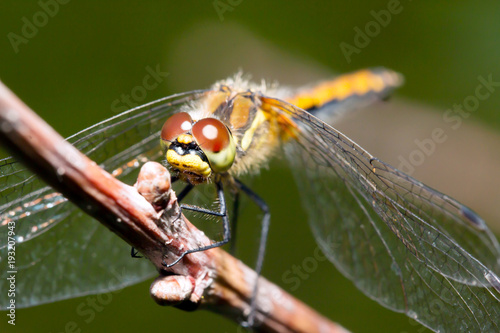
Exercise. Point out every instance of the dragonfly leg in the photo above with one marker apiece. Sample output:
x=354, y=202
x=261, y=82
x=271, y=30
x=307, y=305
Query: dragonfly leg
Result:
x=234, y=223
x=134, y=253
x=225, y=219
x=184, y=192
x=262, y=246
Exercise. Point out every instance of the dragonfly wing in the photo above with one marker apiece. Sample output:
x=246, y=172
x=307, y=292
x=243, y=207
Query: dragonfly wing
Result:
x=60, y=252
x=407, y=246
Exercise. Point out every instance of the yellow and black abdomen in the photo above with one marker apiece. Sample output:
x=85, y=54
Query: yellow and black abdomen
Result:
x=349, y=91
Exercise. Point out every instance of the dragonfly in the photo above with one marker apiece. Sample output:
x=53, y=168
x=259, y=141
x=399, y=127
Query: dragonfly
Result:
x=407, y=246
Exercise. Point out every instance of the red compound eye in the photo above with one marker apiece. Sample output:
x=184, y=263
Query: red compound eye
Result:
x=211, y=135
x=176, y=125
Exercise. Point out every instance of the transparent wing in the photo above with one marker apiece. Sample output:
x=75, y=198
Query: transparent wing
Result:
x=59, y=251
x=407, y=246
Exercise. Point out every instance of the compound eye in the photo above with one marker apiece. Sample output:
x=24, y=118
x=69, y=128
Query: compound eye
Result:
x=216, y=142
x=211, y=135
x=176, y=125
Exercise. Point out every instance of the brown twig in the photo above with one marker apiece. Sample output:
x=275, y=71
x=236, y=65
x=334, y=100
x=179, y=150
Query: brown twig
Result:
x=148, y=217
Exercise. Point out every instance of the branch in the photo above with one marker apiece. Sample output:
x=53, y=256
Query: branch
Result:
x=148, y=217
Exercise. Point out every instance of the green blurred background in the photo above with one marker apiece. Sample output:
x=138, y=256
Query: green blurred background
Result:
x=91, y=52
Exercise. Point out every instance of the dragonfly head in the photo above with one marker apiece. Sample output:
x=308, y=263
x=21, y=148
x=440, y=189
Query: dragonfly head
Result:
x=199, y=149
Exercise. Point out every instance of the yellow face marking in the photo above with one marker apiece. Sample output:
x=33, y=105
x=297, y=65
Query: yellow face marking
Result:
x=189, y=163
x=185, y=138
